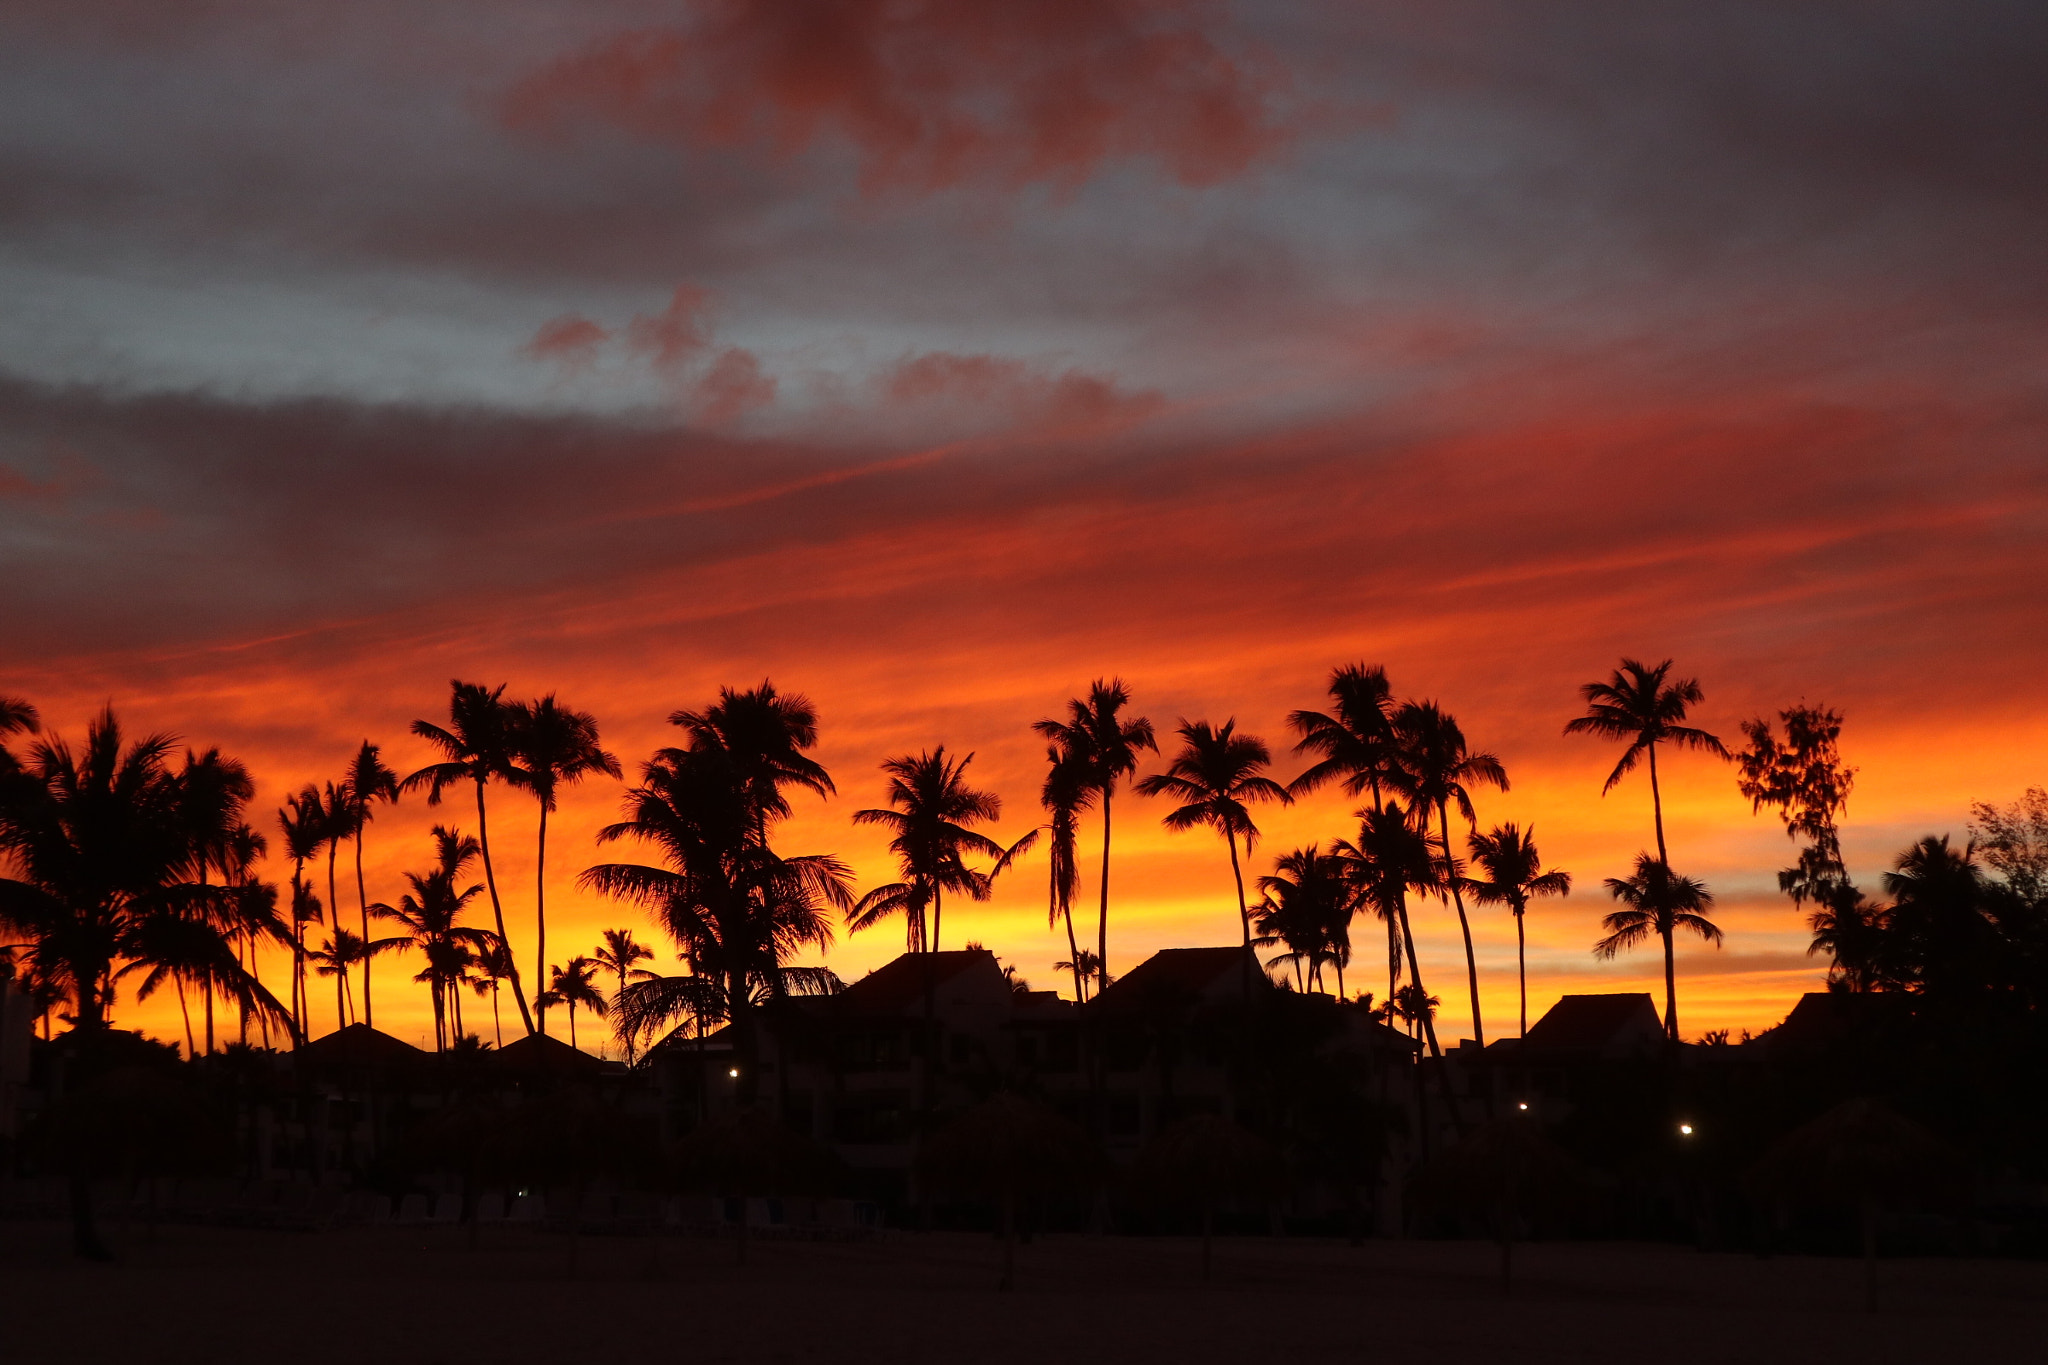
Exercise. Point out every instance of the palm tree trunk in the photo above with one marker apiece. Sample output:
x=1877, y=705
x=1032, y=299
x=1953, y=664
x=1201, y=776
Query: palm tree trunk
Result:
x=209, y=1017
x=540, y=918
x=497, y=1029
x=1670, y=990
x=363, y=900
x=572, y=1024
x=1443, y=815
x=1102, y=914
x=1244, y=915
x=938, y=905
x=340, y=1002
x=191, y=1049
x=1065, y=907
x=483, y=840
x=1522, y=969
x=1657, y=808
x=1415, y=976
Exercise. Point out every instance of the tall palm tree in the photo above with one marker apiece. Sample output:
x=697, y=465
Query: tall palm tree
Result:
x=1937, y=939
x=1657, y=901
x=932, y=807
x=476, y=746
x=1514, y=877
x=336, y=828
x=430, y=915
x=573, y=984
x=1637, y=704
x=1306, y=905
x=735, y=908
x=1098, y=736
x=1355, y=737
x=1390, y=858
x=620, y=955
x=494, y=965
x=1433, y=772
x=303, y=822
x=1215, y=774
x=367, y=782
x=1067, y=792
x=552, y=744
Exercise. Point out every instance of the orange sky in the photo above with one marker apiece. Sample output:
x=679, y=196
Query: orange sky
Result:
x=935, y=359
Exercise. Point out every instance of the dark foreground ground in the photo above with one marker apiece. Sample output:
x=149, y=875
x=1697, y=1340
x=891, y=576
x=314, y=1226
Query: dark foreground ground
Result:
x=373, y=1296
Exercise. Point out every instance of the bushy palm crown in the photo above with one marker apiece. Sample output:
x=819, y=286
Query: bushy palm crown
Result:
x=1936, y=933
x=764, y=733
x=552, y=745
x=1096, y=736
x=931, y=807
x=1355, y=738
x=1638, y=705
x=476, y=744
x=1305, y=906
x=1434, y=771
x=1513, y=867
x=1214, y=776
x=574, y=984
x=1655, y=901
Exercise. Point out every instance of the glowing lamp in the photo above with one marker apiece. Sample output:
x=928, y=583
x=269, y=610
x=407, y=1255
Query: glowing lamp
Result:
x=1685, y=1130
x=734, y=1073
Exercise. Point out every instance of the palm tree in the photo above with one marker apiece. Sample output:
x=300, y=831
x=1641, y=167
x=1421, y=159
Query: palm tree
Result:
x=1416, y=1008
x=572, y=985
x=933, y=806
x=367, y=782
x=1433, y=771
x=1067, y=792
x=1514, y=877
x=1936, y=939
x=1657, y=901
x=342, y=951
x=1306, y=906
x=494, y=964
x=1637, y=704
x=108, y=844
x=763, y=734
x=1215, y=773
x=429, y=915
x=552, y=744
x=736, y=909
x=621, y=956
x=477, y=748
x=1098, y=737
x=303, y=822
x=336, y=828
x=1356, y=738
x=1391, y=858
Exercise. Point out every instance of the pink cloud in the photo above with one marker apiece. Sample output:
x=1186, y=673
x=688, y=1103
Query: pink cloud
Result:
x=734, y=386
x=570, y=340
x=933, y=93
x=675, y=335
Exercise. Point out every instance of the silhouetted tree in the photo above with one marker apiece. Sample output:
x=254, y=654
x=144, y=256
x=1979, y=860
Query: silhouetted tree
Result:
x=932, y=807
x=1067, y=792
x=1655, y=900
x=1215, y=774
x=551, y=745
x=1389, y=859
x=1096, y=735
x=573, y=984
x=1306, y=905
x=1514, y=877
x=1637, y=705
x=1434, y=770
x=476, y=746
x=1355, y=738
x=430, y=915
x=367, y=782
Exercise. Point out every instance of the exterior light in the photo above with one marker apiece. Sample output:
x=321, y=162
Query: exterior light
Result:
x=1522, y=1105
x=734, y=1073
x=1685, y=1130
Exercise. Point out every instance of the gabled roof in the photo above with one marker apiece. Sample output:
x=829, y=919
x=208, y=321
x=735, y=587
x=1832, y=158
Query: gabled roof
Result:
x=360, y=1046
x=1823, y=1018
x=1186, y=974
x=540, y=1052
x=898, y=987
x=1607, y=1024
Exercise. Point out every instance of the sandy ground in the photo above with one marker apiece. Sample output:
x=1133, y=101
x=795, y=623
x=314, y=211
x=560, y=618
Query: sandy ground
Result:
x=372, y=1296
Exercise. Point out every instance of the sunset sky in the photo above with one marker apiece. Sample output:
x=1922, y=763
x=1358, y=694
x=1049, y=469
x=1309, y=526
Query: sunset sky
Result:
x=934, y=357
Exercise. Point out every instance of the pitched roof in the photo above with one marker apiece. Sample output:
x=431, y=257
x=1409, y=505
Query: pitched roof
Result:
x=1597, y=1023
x=540, y=1052
x=359, y=1045
x=898, y=986
x=1186, y=973
x=1824, y=1018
